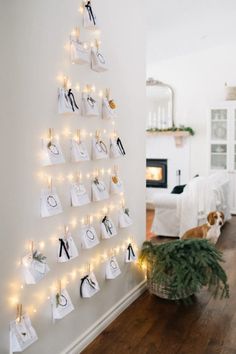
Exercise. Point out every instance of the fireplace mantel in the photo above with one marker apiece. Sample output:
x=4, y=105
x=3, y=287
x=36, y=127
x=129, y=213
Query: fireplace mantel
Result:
x=178, y=135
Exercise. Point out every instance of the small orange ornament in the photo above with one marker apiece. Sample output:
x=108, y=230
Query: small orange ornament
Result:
x=115, y=179
x=112, y=104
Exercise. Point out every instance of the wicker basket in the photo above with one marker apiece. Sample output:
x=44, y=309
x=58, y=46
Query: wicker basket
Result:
x=162, y=291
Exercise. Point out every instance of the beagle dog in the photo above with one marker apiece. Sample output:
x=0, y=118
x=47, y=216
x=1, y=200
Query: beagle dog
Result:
x=210, y=230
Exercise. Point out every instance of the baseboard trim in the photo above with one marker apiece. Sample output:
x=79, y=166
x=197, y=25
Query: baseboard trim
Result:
x=88, y=336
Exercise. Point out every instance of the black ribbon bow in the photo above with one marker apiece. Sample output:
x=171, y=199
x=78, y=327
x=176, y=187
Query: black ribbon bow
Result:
x=130, y=251
x=120, y=146
x=90, y=12
x=72, y=100
x=107, y=224
x=64, y=246
x=89, y=281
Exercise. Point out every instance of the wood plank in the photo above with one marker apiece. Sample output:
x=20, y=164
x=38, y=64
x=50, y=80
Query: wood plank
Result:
x=155, y=326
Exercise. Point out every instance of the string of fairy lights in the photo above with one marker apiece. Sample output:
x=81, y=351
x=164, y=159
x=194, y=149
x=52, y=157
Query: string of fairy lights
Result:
x=45, y=175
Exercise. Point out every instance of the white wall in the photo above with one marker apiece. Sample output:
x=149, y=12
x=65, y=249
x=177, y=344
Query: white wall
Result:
x=33, y=37
x=198, y=80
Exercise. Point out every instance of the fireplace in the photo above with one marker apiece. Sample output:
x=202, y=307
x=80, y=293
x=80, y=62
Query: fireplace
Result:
x=156, y=173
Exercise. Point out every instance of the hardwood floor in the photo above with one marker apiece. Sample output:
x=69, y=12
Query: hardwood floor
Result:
x=155, y=326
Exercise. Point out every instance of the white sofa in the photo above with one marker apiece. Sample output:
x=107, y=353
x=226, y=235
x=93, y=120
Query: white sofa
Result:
x=176, y=213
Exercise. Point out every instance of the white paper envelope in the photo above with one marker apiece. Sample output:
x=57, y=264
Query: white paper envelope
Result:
x=67, y=102
x=67, y=249
x=112, y=268
x=89, y=237
x=88, y=285
x=99, y=190
x=79, y=53
x=89, y=17
x=107, y=111
x=89, y=105
x=130, y=255
x=124, y=218
x=79, y=151
x=33, y=269
x=22, y=334
x=116, y=148
x=116, y=185
x=79, y=195
x=51, y=152
x=61, y=305
x=108, y=228
x=99, y=149
x=50, y=203
x=98, y=61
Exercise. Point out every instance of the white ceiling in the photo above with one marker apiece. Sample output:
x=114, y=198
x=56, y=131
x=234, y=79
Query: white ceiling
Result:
x=180, y=27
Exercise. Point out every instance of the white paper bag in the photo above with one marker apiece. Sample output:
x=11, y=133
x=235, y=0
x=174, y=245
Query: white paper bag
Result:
x=107, y=111
x=67, y=249
x=89, y=105
x=112, y=268
x=79, y=195
x=108, y=228
x=99, y=190
x=98, y=61
x=50, y=203
x=89, y=237
x=22, y=334
x=124, y=218
x=89, y=285
x=79, y=53
x=79, y=151
x=116, y=148
x=89, y=17
x=130, y=255
x=34, y=267
x=67, y=101
x=116, y=185
x=52, y=152
x=61, y=305
x=99, y=149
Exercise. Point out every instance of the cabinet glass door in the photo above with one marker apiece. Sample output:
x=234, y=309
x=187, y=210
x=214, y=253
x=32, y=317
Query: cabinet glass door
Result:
x=219, y=134
x=218, y=156
x=219, y=124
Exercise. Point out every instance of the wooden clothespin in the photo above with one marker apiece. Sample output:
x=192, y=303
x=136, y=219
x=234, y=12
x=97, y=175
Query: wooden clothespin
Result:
x=78, y=177
x=31, y=247
x=50, y=134
x=123, y=203
x=59, y=286
x=88, y=88
x=97, y=134
x=50, y=183
x=116, y=169
x=89, y=268
x=19, y=312
x=77, y=32
x=96, y=173
x=87, y=220
x=97, y=43
x=78, y=135
x=66, y=231
x=65, y=82
x=107, y=93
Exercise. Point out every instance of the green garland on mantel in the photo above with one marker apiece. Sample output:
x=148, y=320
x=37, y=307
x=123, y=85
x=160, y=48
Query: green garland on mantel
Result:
x=181, y=128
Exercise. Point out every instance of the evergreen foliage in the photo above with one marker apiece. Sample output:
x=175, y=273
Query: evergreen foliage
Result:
x=185, y=266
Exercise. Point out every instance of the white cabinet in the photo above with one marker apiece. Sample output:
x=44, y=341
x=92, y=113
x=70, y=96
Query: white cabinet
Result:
x=222, y=143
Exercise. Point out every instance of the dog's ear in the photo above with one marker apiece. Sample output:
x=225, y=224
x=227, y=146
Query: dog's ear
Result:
x=210, y=218
x=222, y=215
